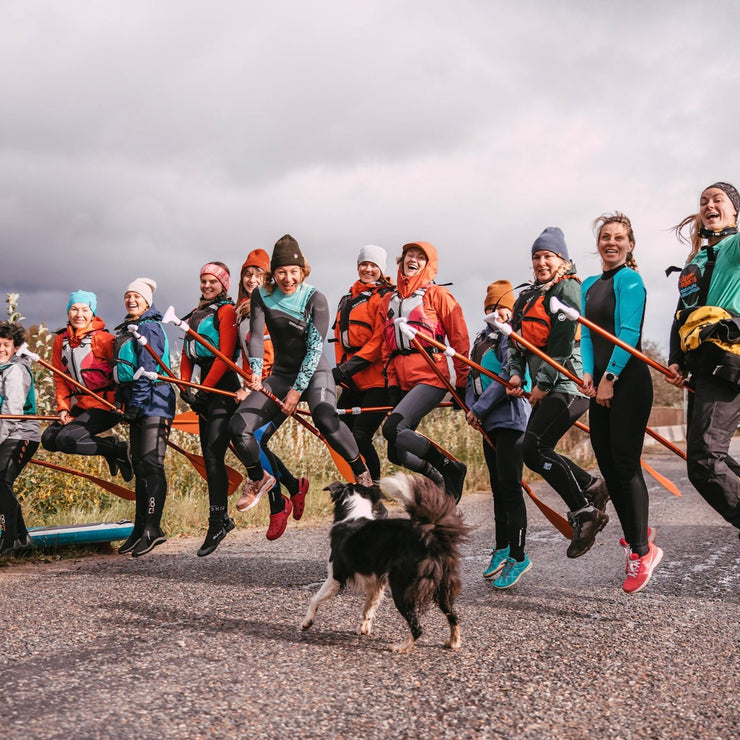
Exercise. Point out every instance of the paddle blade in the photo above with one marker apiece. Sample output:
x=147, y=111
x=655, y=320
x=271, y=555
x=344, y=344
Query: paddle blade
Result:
x=113, y=488
x=186, y=422
x=667, y=484
x=560, y=523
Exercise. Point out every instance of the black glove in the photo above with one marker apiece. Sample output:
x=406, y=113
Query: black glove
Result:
x=460, y=392
x=200, y=402
x=395, y=395
x=339, y=377
x=187, y=395
x=131, y=413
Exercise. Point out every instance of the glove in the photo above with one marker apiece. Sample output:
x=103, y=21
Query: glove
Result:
x=395, y=395
x=461, y=393
x=131, y=413
x=187, y=395
x=200, y=403
x=338, y=375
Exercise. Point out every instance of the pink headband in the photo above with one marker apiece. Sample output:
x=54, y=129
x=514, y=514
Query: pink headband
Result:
x=217, y=271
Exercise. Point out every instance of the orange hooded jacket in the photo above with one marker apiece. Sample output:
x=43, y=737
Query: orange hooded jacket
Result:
x=440, y=312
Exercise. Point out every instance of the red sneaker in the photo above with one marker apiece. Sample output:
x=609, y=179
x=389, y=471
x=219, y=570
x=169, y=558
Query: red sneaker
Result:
x=299, y=499
x=279, y=521
x=640, y=569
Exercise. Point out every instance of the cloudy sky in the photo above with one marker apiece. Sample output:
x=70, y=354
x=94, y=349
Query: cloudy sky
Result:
x=146, y=138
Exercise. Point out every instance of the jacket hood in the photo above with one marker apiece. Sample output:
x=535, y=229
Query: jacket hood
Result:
x=406, y=286
x=77, y=335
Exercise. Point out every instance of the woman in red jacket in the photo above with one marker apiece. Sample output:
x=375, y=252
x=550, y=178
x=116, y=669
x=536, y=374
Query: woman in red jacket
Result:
x=359, y=340
x=413, y=388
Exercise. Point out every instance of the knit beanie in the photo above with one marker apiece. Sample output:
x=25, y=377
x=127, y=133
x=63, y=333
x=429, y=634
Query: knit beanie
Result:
x=286, y=252
x=729, y=191
x=257, y=258
x=86, y=297
x=552, y=240
x=372, y=253
x=222, y=273
x=145, y=287
x=499, y=295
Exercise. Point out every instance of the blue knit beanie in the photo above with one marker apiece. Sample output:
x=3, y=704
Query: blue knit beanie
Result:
x=552, y=240
x=83, y=296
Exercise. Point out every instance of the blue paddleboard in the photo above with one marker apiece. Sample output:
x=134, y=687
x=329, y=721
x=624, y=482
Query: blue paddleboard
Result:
x=81, y=534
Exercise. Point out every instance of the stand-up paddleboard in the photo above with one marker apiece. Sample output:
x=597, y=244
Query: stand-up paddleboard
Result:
x=81, y=534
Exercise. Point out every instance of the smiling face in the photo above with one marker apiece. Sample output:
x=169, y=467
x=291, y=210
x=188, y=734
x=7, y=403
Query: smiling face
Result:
x=716, y=210
x=614, y=245
x=414, y=261
x=545, y=264
x=80, y=315
x=253, y=277
x=369, y=272
x=7, y=350
x=210, y=286
x=134, y=304
x=288, y=278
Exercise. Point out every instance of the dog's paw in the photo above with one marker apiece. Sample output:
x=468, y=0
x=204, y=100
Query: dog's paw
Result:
x=454, y=642
x=306, y=624
x=403, y=647
x=365, y=628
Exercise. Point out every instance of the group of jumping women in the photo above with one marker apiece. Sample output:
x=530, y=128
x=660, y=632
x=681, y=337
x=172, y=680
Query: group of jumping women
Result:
x=257, y=359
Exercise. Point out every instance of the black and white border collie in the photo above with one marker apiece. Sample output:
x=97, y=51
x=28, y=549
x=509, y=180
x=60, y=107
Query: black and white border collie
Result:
x=418, y=557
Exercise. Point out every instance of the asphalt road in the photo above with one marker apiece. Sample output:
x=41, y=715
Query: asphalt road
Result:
x=172, y=645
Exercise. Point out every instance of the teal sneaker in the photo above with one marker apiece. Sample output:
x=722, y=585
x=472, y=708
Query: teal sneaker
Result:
x=498, y=558
x=513, y=570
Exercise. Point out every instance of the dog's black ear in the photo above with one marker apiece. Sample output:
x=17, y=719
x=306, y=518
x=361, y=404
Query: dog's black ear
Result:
x=335, y=489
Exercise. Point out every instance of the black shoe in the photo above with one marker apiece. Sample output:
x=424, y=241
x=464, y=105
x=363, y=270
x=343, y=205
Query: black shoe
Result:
x=15, y=546
x=216, y=533
x=133, y=538
x=150, y=538
x=586, y=525
x=454, y=478
x=597, y=494
x=124, y=465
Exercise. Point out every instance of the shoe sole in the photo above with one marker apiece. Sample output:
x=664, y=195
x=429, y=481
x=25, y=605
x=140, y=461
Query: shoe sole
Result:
x=514, y=582
x=490, y=574
x=658, y=560
x=261, y=491
x=154, y=543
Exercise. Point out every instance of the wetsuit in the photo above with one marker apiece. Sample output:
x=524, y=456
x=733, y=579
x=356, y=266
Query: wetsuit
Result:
x=615, y=300
x=19, y=439
x=297, y=324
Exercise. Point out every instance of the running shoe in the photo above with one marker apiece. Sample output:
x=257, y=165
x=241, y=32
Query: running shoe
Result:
x=299, y=499
x=254, y=490
x=512, y=572
x=640, y=569
x=279, y=521
x=498, y=559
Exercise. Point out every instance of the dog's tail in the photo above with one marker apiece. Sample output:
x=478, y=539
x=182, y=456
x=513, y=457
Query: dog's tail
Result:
x=441, y=526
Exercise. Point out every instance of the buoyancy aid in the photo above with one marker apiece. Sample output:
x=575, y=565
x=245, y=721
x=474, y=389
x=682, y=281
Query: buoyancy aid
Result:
x=533, y=319
x=29, y=405
x=355, y=319
x=411, y=308
x=484, y=342
x=81, y=363
x=125, y=355
x=205, y=321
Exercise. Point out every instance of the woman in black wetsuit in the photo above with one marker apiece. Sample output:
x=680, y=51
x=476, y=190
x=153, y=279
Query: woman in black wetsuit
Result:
x=297, y=318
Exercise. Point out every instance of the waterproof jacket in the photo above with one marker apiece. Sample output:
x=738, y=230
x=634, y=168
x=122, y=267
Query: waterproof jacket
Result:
x=432, y=309
x=151, y=397
x=94, y=344
x=16, y=397
x=358, y=334
x=486, y=397
x=561, y=344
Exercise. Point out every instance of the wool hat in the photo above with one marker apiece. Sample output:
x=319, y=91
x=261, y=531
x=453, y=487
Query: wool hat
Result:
x=499, y=294
x=552, y=240
x=218, y=271
x=286, y=252
x=730, y=191
x=257, y=258
x=86, y=297
x=372, y=253
x=145, y=287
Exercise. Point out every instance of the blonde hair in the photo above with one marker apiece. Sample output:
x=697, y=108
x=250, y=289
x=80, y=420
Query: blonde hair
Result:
x=687, y=232
x=618, y=218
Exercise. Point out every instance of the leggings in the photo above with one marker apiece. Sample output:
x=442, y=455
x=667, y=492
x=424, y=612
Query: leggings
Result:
x=364, y=426
x=257, y=410
x=551, y=418
x=617, y=434
x=405, y=446
x=79, y=436
x=14, y=454
x=505, y=476
x=149, y=435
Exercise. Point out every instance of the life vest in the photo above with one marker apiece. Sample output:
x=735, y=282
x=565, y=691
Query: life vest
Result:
x=205, y=321
x=484, y=342
x=355, y=320
x=126, y=358
x=29, y=405
x=411, y=308
x=80, y=363
x=532, y=320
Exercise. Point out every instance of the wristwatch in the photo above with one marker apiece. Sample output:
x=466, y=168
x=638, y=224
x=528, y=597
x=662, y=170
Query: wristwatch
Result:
x=611, y=377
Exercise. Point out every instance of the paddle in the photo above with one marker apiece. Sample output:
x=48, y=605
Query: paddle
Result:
x=113, y=488
x=342, y=465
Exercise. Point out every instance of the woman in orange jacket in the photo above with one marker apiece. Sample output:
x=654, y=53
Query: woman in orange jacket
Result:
x=413, y=388
x=84, y=351
x=359, y=339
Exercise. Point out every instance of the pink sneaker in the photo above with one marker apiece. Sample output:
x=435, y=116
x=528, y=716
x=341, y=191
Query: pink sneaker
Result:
x=253, y=491
x=299, y=499
x=640, y=569
x=279, y=521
